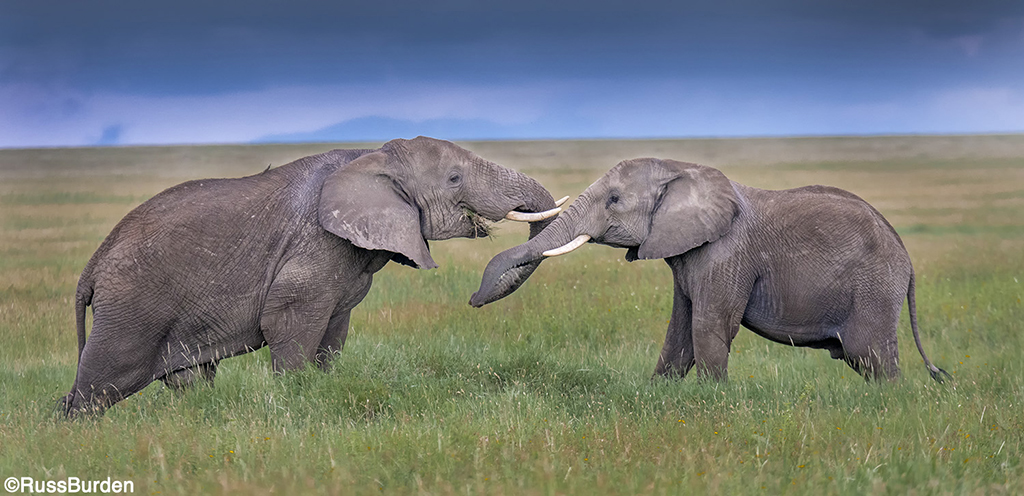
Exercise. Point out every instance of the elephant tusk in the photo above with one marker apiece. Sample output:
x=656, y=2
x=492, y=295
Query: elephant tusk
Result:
x=570, y=246
x=532, y=216
x=561, y=201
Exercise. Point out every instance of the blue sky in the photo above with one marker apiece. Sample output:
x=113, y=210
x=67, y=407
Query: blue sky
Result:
x=112, y=73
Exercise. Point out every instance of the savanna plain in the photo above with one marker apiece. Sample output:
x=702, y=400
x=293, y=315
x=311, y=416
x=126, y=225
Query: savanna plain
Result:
x=548, y=391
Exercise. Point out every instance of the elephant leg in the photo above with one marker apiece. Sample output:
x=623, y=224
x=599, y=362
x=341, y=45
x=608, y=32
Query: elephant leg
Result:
x=292, y=344
x=676, y=357
x=293, y=335
x=295, y=317
x=713, y=331
x=334, y=339
x=872, y=364
x=188, y=377
x=869, y=345
x=95, y=391
x=111, y=368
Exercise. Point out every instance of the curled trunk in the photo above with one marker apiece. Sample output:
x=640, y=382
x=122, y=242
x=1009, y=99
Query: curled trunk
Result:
x=534, y=198
x=508, y=270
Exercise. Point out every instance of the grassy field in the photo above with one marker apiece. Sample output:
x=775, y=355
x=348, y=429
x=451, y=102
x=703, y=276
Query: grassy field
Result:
x=548, y=391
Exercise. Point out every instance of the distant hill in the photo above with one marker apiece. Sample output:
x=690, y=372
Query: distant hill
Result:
x=384, y=128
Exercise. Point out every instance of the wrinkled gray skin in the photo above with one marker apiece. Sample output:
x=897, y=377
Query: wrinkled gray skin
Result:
x=214, y=268
x=813, y=266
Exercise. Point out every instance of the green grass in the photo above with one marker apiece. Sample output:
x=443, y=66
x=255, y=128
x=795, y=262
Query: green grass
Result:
x=548, y=391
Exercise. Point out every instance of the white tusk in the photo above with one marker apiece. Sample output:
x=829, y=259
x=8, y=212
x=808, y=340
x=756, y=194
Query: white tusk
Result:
x=561, y=201
x=532, y=216
x=570, y=246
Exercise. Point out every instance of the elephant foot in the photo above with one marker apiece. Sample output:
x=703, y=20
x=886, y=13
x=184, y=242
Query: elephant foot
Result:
x=673, y=370
x=63, y=408
x=67, y=409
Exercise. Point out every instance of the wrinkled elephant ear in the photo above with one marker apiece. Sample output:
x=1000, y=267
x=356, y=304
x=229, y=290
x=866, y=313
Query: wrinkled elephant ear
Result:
x=697, y=205
x=361, y=203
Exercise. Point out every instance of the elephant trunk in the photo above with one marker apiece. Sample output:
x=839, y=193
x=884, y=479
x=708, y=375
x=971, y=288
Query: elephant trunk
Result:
x=508, y=270
x=530, y=197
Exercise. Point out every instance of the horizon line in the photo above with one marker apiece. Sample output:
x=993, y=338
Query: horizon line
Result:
x=512, y=140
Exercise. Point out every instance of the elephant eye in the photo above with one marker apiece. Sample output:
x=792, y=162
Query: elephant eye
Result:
x=454, y=179
x=614, y=198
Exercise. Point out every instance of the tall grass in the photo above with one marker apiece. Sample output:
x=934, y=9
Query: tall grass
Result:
x=550, y=390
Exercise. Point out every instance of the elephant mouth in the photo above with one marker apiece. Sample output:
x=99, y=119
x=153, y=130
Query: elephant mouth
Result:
x=482, y=227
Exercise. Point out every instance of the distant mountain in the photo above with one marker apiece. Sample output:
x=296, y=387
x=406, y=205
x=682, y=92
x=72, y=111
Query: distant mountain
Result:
x=111, y=135
x=384, y=128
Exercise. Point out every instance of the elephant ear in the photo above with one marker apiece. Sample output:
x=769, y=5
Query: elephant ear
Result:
x=697, y=205
x=362, y=203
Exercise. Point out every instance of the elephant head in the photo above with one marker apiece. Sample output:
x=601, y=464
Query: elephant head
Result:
x=654, y=208
x=411, y=191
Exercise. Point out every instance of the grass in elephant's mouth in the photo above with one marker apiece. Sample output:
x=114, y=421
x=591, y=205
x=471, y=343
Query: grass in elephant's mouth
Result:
x=483, y=227
x=548, y=390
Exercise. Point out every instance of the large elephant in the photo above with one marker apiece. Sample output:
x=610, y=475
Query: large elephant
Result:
x=214, y=268
x=813, y=266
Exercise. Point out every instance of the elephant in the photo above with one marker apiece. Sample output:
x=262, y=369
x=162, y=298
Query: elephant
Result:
x=214, y=268
x=814, y=266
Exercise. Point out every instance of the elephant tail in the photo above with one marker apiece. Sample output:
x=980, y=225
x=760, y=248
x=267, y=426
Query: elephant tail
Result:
x=935, y=372
x=83, y=298
x=65, y=406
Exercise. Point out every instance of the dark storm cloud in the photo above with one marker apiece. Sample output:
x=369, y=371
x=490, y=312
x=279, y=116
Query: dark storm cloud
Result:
x=465, y=20
x=77, y=72
x=941, y=19
x=203, y=47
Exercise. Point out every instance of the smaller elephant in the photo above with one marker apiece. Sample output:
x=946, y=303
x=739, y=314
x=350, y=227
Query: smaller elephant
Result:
x=814, y=266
